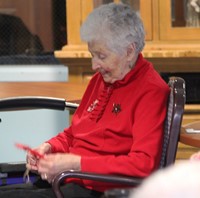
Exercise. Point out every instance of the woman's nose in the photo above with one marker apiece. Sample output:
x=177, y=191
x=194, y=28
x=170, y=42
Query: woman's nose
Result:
x=95, y=64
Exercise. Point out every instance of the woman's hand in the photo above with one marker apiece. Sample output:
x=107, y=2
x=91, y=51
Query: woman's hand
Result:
x=52, y=164
x=32, y=160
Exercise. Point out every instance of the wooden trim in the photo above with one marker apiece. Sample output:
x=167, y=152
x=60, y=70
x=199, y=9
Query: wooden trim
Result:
x=192, y=108
x=151, y=50
x=173, y=50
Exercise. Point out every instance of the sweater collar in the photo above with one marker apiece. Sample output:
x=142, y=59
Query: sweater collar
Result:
x=130, y=75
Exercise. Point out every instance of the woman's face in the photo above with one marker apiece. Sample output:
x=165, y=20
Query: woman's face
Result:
x=112, y=66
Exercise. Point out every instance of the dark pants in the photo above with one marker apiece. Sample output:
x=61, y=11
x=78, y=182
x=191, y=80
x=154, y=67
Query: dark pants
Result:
x=44, y=190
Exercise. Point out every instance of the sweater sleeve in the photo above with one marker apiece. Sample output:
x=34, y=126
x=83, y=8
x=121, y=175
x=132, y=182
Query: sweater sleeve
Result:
x=147, y=132
x=61, y=142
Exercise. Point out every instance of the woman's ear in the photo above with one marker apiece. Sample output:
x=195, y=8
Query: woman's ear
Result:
x=131, y=52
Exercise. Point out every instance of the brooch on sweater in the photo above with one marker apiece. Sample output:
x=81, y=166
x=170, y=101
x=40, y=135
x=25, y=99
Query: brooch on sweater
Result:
x=92, y=106
x=116, y=108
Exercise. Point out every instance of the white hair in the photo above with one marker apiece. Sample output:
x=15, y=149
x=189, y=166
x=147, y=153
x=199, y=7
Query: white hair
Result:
x=178, y=181
x=117, y=25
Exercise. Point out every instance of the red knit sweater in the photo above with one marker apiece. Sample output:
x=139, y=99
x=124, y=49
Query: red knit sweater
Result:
x=118, y=128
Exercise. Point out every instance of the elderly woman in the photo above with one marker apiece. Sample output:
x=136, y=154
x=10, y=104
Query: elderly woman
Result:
x=118, y=127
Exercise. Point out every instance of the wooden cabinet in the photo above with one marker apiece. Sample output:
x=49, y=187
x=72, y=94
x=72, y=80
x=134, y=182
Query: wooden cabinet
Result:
x=170, y=49
x=163, y=40
x=77, y=12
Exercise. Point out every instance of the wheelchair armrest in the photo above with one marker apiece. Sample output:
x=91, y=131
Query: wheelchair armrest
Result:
x=35, y=102
x=128, y=181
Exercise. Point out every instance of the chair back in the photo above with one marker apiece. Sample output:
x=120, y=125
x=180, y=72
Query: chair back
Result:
x=173, y=120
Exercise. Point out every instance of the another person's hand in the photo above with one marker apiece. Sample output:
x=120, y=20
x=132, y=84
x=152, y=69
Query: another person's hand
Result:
x=195, y=156
x=52, y=164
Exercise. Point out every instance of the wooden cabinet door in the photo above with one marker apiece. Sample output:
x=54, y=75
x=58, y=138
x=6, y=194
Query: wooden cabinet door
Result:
x=178, y=32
